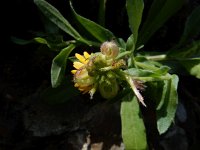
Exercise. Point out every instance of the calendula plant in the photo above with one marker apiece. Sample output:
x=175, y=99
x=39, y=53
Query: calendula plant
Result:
x=122, y=68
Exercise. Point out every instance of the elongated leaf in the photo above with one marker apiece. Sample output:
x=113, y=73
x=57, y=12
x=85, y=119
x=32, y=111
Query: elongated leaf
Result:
x=133, y=129
x=159, y=13
x=97, y=31
x=56, y=17
x=168, y=104
x=192, y=26
x=59, y=65
x=134, y=11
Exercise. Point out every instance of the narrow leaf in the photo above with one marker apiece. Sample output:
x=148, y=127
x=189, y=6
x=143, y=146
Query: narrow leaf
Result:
x=133, y=129
x=56, y=17
x=168, y=104
x=134, y=11
x=100, y=33
x=59, y=65
x=159, y=13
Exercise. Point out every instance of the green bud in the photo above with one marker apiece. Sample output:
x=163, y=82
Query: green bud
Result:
x=109, y=89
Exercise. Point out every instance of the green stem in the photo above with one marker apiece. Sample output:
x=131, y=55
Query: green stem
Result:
x=144, y=66
x=157, y=57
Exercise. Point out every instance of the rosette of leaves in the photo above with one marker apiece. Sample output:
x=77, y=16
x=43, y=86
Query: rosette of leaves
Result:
x=155, y=71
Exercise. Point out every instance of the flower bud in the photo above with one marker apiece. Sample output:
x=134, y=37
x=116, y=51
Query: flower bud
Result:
x=110, y=49
x=82, y=78
x=109, y=89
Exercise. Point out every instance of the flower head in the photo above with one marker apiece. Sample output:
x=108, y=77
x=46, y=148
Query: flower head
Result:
x=110, y=49
x=97, y=71
x=82, y=80
x=102, y=71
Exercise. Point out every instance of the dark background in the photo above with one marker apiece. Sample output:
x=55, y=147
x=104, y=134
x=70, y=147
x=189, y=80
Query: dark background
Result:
x=25, y=72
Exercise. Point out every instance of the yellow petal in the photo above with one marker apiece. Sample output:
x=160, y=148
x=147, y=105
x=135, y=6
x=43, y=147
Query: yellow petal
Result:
x=86, y=55
x=80, y=58
x=78, y=65
x=76, y=85
x=73, y=71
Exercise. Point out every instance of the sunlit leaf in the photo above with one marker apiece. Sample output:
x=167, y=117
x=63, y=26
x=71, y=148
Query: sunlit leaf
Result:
x=133, y=129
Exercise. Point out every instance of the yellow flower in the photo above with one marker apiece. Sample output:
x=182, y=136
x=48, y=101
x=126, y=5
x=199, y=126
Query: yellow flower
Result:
x=82, y=80
x=83, y=60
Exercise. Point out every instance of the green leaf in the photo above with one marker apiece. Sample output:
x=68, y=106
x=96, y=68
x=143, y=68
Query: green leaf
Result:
x=56, y=17
x=59, y=65
x=97, y=31
x=61, y=94
x=192, y=26
x=192, y=65
x=133, y=129
x=121, y=43
x=134, y=11
x=168, y=103
x=130, y=44
x=159, y=13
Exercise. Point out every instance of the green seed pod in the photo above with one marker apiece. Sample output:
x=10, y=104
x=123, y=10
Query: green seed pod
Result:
x=109, y=89
x=110, y=49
